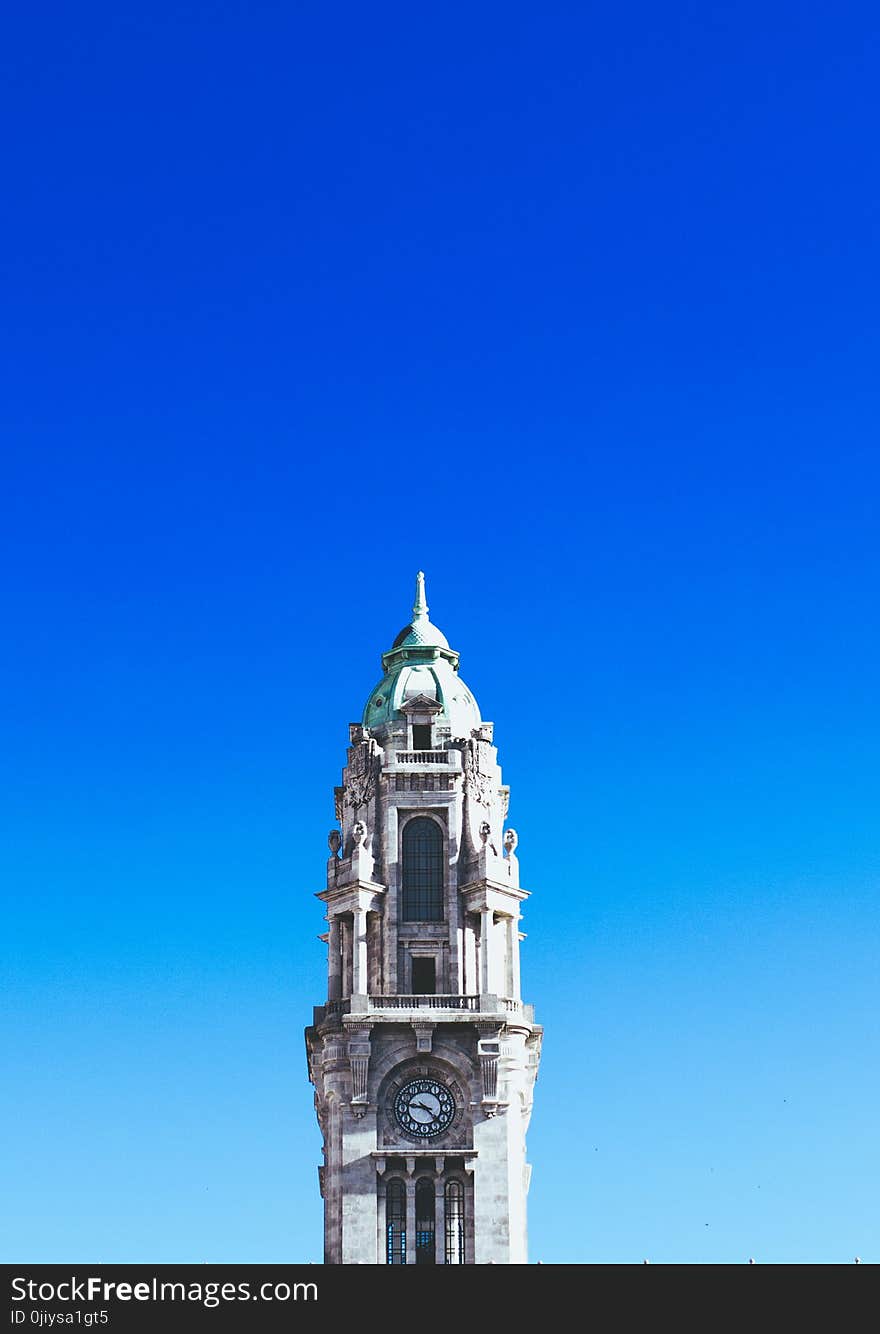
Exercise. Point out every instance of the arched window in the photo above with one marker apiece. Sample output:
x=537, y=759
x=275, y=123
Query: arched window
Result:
x=422, y=871
x=425, y=1248
x=395, y=1222
x=454, y=1223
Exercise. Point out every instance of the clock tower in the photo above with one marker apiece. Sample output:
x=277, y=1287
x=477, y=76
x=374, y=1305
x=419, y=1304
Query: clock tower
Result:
x=423, y=1056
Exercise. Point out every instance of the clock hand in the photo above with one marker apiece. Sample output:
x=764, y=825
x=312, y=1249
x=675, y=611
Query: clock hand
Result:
x=424, y=1106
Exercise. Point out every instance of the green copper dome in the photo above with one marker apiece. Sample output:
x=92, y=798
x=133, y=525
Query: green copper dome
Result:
x=420, y=662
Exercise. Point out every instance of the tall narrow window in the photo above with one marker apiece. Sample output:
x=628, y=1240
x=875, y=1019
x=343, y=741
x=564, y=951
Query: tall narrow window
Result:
x=425, y=1246
x=422, y=871
x=395, y=1222
x=454, y=1223
x=421, y=736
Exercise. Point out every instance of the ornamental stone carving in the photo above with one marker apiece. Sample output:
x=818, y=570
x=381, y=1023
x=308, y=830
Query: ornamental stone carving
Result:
x=363, y=769
x=477, y=781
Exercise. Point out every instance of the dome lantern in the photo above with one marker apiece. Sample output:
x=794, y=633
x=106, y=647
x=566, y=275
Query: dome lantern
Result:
x=420, y=662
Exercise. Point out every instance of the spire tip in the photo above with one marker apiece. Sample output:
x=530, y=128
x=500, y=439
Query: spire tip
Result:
x=420, y=606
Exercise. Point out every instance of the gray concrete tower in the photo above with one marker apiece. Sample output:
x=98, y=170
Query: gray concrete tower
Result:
x=423, y=1055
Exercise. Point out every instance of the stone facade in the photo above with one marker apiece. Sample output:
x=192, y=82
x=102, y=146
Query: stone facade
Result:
x=423, y=1055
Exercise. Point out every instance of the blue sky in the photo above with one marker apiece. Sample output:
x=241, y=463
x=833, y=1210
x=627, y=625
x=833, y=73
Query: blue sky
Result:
x=575, y=309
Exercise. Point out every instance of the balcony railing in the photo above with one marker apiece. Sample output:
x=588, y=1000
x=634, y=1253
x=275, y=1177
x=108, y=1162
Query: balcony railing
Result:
x=422, y=1002
x=422, y=756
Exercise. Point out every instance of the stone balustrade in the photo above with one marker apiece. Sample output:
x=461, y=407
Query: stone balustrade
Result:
x=422, y=756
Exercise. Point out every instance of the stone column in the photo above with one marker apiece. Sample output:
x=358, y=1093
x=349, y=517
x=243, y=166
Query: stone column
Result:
x=507, y=979
x=334, y=962
x=439, y=1220
x=374, y=953
x=381, y=1207
x=471, y=980
x=410, y=1213
x=514, y=958
x=485, y=953
x=345, y=933
x=455, y=973
x=360, y=979
x=392, y=880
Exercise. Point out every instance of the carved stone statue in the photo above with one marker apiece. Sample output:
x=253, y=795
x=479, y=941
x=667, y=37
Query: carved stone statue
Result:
x=511, y=861
x=486, y=837
x=359, y=834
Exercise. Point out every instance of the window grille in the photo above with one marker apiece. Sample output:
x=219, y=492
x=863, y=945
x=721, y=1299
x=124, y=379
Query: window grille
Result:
x=454, y=1223
x=395, y=1222
x=422, y=871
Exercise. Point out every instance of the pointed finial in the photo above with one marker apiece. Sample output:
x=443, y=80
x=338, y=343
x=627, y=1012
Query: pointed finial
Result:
x=420, y=606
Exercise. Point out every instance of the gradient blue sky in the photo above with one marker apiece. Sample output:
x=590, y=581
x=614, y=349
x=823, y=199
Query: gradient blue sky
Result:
x=575, y=307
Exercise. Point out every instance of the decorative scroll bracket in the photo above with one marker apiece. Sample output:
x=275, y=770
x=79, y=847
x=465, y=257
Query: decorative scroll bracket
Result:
x=359, y=1058
x=424, y=1036
x=489, y=1052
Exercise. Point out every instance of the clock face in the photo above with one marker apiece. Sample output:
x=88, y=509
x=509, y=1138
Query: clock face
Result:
x=424, y=1108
